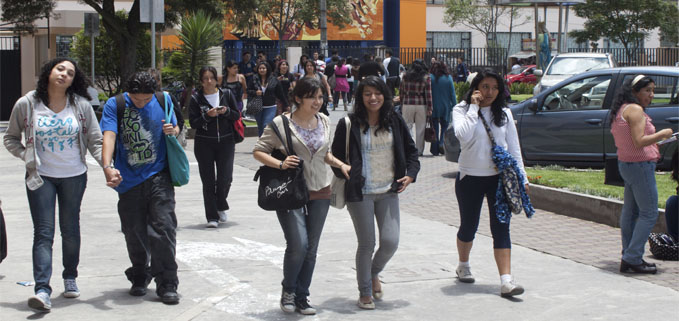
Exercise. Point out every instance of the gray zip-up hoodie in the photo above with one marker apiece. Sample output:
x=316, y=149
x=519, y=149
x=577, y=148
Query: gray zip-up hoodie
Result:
x=22, y=120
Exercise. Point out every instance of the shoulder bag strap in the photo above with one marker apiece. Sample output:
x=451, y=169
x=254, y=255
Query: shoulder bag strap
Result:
x=286, y=124
x=278, y=134
x=485, y=124
x=347, y=123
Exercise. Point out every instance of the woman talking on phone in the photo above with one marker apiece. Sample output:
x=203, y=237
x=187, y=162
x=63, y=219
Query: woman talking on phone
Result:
x=212, y=112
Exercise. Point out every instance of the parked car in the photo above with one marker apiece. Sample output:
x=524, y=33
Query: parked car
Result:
x=569, y=123
x=523, y=74
x=564, y=65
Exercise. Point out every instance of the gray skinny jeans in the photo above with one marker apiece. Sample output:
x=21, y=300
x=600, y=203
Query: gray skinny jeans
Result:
x=384, y=208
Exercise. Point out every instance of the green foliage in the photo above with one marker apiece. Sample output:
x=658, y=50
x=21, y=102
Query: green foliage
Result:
x=461, y=89
x=625, y=21
x=520, y=88
x=102, y=97
x=480, y=15
x=589, y=181
x=106, y=61
x=23, y=13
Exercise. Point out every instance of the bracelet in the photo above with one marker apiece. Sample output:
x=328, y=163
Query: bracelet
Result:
x=280, y=166
x=109, y=166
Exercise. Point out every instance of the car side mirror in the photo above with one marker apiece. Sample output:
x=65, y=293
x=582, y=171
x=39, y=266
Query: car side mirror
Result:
x=537, y=72
x=533, y=105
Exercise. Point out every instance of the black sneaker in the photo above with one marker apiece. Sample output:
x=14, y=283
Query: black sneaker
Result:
x=303, y=307
x=168, y=294
x=139, y=287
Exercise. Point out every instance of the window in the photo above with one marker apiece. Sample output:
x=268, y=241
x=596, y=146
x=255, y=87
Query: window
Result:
x=665, y=90
x=588, y=93
x=64, y=46
x=445, y=39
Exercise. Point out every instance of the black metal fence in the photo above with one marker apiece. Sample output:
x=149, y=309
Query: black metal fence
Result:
x=475, y=58
x=639, y=56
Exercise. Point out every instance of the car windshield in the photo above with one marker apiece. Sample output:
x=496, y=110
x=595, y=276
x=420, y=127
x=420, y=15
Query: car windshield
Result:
x=517, y=71
x=576, y=65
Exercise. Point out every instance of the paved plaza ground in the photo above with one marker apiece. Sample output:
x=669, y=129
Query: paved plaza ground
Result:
x=568, y=266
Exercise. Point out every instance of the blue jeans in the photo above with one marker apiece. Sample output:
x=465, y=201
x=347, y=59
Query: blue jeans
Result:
x=437, y=146
x=42, y=203
x=671, y=213
x=640, y=208
x=302, y=229
x=264, y=117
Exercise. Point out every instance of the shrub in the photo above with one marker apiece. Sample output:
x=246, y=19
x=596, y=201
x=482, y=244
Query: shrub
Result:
x=461, y=89
x=519, y=88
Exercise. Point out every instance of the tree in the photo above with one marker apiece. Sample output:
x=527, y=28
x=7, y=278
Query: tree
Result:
x=125, y=32
x=287, y=17
x=482, y=16
x=198, y=33
x=108, y=73
x=24, y=13
x=624, y=21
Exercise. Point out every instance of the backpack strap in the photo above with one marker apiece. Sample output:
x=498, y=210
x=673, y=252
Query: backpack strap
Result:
x=120, y=111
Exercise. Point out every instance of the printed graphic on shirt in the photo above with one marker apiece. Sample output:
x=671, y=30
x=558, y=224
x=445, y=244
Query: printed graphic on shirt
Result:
x=137, y=139
x=55, y=133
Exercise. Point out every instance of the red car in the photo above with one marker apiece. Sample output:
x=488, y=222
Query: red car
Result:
x=523, y=74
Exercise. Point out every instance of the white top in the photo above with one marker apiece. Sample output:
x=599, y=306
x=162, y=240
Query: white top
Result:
x=385, y=63
x=56, y=139
x=213, y=99
x=475, y=156
x=377, y=152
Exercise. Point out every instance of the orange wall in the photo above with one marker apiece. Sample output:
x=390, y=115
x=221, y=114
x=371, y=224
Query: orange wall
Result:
x=413, y=23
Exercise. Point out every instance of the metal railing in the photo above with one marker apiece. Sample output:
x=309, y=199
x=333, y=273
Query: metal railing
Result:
x=638, y=56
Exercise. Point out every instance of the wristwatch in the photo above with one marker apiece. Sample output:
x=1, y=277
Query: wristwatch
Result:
x=280, y=166
x=109, y=166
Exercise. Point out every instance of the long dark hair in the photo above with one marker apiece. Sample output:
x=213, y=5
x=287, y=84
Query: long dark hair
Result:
x=78, y=86
x=278, y=68
x=499, y=116
x=438, y=69
x=202, y=72
x=268, y=70
x=416, y=72
x=626, y=94
x=360, y=113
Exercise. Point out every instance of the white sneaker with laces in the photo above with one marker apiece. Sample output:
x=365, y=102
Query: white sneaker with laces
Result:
x=510, y=289
x=71, y=289
x=40, y=302
x=288, y=302
x=212, y=224
x=223, y=215
x=464, y=274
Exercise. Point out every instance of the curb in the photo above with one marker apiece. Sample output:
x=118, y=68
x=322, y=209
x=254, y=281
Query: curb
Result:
x=587, y=207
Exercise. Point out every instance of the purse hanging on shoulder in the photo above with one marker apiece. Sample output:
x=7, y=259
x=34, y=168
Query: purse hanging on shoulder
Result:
x=176, y=157
x=338, y=185
x=282, y=189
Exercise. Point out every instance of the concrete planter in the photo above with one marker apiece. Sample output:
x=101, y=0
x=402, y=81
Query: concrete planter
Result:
x=587, y=207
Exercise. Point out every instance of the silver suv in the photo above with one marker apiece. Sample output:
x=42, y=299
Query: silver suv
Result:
x=565, y=65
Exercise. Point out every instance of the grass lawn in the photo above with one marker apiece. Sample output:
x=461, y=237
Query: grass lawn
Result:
x=591, y=181
x=521, y=97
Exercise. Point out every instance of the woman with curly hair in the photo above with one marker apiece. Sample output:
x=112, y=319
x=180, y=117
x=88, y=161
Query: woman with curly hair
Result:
x=478, y=176
x=636, y=140
x=59, y=127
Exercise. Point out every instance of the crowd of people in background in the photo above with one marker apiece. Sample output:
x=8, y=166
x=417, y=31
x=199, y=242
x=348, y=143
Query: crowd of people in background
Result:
x=384, y=102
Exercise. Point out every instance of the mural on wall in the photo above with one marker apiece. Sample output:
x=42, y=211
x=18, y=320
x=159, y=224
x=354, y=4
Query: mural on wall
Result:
x=366, y=24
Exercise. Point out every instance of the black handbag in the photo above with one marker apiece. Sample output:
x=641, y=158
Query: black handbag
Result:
x=282, y=189
x=663, y=247
x=611, y=172
x=429, y=133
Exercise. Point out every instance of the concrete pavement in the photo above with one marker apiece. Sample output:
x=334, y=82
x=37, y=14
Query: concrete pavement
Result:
x=234, y=272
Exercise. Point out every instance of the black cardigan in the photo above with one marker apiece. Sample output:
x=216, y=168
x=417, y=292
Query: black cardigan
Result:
x=405, y=155
x=274, y=89
x=218, y=127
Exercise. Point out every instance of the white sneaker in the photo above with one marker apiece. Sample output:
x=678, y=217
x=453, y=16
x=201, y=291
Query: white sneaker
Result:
x=71, y=289
x=464, y=274
x=510, y=289
x=40, y=302
x=212, y=224
x=222, y=215
x=288, y=302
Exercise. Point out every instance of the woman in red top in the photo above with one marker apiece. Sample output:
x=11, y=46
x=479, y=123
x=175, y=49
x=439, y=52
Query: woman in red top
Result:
x=636, y=138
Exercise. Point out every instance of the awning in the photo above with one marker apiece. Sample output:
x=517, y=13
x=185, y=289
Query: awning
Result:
x=523, y=55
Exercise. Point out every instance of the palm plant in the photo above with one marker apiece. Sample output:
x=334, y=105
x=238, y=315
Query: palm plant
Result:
x=198, y=33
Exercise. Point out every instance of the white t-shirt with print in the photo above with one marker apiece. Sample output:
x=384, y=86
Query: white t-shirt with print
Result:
x=56, y=141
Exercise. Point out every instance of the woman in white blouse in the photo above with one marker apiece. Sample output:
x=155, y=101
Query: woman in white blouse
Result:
x=478, y=176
